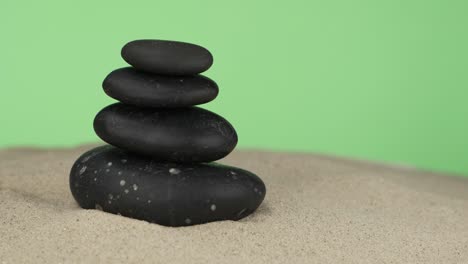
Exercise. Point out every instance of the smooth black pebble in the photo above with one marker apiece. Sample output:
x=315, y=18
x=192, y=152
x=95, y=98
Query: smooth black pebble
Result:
x=189, y=134
x=134, y=87
x=115, y=181
x=167, y=57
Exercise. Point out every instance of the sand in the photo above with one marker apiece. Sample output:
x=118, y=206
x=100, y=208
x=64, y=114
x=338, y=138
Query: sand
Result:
x=317, y=209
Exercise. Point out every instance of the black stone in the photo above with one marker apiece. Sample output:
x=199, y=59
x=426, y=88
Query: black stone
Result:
x=170, y=194
x=167, y=57
x=138, y=88
x=189, y=134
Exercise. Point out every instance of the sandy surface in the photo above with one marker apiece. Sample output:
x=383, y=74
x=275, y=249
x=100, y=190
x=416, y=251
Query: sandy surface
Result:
x=317, y=210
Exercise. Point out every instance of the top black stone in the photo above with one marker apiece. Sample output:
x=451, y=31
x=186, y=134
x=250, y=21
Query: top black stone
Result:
x=167, y=57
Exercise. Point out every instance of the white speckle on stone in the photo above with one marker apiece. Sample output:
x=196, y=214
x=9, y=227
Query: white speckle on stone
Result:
x=95, y=172
x=241, y=212
x=213, y=207
x=188, y=221
x=138, y=198
x=119, y=173
x=181, y=80
x=123, y=160
x=110, y=196
x=126, y=190
x=149, y=201
x=107, y=170
x=109, y=164
x=135, y=187
x=95, y=179
x=255, y=190
x=85, y=159
x=98, y=207
x=82, y=170
x=110, y=201
x=234, y=175
x=174, y=171
x=122, y=182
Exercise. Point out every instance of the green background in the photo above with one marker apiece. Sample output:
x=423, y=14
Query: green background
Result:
x=379, y=80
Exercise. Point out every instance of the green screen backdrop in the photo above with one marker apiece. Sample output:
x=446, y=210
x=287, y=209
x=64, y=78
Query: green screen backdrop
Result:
x=379, y=80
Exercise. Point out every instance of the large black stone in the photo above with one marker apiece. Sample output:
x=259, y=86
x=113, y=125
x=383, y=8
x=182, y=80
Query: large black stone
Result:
x=134, y=87
x=167, y=57
x=170, y=194
x=189, y=134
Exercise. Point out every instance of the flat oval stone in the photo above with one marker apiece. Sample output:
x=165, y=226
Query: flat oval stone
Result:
x=134, y=87
x=189, y=134
x=170, y=194
x=167, y=57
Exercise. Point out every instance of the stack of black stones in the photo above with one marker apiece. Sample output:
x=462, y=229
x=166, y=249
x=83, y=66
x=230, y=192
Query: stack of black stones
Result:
x=159, y=164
